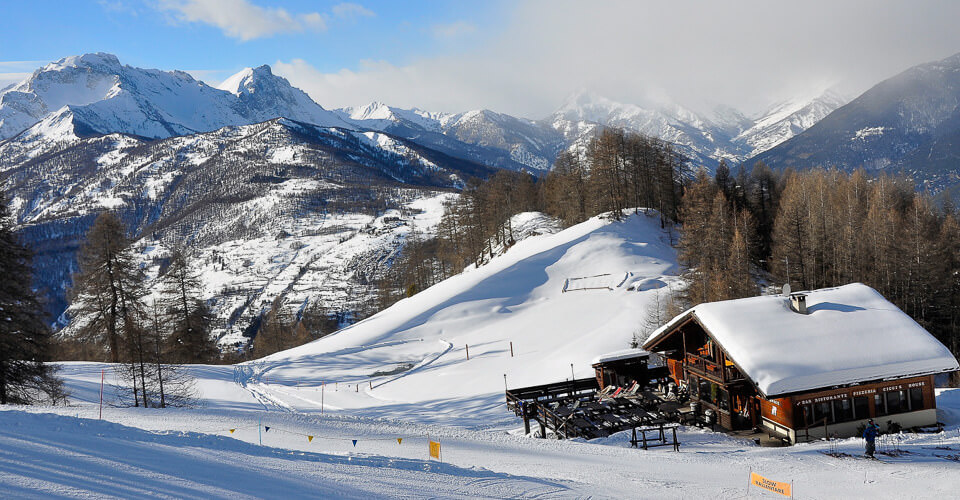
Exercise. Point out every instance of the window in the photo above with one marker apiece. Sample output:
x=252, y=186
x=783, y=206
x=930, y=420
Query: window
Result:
x=861, y=407
x=896, y=401
x=724, y=400
x=878, y=405
x=842, y=410
x=694, y=387
x=807, y=414
x=822, y=411
x=705, y=393
x=916, y=398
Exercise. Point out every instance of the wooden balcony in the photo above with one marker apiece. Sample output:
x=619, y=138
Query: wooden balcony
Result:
x=702, y=366
x=713, y=370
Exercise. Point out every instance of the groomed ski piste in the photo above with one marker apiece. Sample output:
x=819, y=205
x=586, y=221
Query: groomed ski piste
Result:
x=351, y=415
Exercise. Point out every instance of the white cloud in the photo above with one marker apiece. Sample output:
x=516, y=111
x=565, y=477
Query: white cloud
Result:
x=350, y=10
x=242, y=19
x=453, y=30
x=8, y=79
x=314, y=21
x=22, y=64
x=746, y=54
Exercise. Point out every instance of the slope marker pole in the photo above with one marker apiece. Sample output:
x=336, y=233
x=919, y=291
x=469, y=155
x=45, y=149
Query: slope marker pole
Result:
x=101, y=394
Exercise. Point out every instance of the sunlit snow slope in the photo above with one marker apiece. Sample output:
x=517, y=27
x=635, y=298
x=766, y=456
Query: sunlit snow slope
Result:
x=412, y=357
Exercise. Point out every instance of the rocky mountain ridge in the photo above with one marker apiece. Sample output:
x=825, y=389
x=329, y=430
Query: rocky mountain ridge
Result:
x=909, y=123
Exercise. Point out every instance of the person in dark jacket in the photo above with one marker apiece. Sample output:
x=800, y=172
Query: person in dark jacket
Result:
x=870, y=434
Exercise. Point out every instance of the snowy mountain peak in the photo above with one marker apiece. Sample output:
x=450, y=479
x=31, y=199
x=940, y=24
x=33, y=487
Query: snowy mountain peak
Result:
x=702, y=139
x=234, y=83
x=720, y=133
x=788, y=118
x=376, y=110
x=107, y=97
x=247, y=79
x=586, y=105
x=265, y=95
x=100, y=61
x=581, y=98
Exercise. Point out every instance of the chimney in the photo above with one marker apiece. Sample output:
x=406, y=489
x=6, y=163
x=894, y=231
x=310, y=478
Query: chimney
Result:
x=798, y=302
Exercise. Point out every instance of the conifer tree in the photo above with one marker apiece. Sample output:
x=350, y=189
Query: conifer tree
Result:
x=107, y=302
x=189, y=317
x=106, y=293
x=791, y=236
x=694, y=252
x=25, y=375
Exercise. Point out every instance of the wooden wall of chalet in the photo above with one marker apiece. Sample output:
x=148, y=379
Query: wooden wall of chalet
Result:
x=787, y=411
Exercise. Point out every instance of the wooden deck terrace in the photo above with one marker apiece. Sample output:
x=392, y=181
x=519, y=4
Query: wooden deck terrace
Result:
x=580, y=386
x=572, y=410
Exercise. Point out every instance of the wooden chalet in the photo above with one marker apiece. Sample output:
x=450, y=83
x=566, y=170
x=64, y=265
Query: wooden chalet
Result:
x=808, y=365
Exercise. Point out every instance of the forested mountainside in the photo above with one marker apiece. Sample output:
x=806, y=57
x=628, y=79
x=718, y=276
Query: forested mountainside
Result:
x=232, y=185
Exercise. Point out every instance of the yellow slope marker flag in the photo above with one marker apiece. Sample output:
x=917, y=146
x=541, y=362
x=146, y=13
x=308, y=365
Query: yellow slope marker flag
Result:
x=785, y=489
x=435, y=450
x=231, y=431
x=399, y=440
x=309, y=439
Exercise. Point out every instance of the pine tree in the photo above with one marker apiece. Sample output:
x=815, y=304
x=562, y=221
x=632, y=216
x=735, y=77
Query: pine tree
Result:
x=696, y=215
x=791, y=235
x=106, y=293
x=723, y=180
x=189, y=317
x=25, y=375
x=107, y=302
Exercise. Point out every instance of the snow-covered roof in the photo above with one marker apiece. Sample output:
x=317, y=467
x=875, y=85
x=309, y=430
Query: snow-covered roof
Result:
x=851, y=334
x=621, y=354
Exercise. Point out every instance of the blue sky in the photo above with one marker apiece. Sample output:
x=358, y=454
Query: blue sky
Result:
x=522, y=57
x=159, y=34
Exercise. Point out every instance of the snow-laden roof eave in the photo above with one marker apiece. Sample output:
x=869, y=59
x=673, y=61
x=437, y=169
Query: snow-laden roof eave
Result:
x=653, y=359
x=620, y=355
x=799, y=385
x=661, y=332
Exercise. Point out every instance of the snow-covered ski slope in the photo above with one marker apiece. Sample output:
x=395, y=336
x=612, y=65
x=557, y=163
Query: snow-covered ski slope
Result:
x=192, y=453
x=259, y=430
x=412, y=357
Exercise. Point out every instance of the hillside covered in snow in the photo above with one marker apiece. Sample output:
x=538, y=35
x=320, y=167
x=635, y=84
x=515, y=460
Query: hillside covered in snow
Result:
x=351, y=415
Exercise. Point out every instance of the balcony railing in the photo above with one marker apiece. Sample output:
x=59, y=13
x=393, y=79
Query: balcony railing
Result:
x=732, y=374
x=703, y=366
x=712, y=369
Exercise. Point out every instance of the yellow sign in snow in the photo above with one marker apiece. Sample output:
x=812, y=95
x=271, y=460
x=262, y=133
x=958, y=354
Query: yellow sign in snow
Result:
x=435, y=450
x=785, y=489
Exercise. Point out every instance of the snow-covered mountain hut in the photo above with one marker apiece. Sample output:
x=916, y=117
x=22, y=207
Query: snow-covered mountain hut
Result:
x=807, y=365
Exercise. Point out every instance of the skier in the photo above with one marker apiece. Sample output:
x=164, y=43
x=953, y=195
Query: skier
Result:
x=870, y=434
